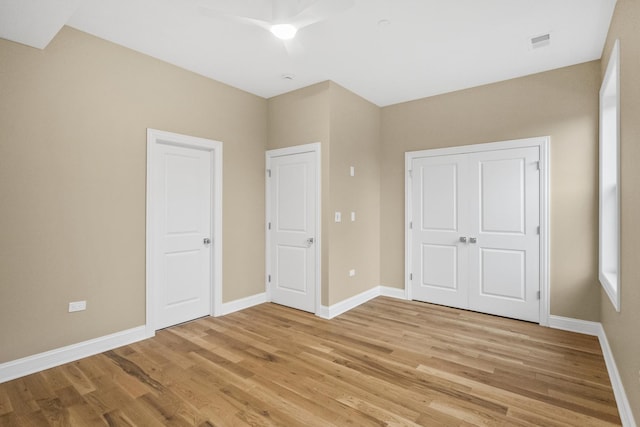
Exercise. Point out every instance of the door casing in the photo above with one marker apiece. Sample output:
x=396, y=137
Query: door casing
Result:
x=543, y=144
x=297, y=149
x=154, y=138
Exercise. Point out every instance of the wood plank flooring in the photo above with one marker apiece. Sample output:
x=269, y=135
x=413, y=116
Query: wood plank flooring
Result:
x=386, y=363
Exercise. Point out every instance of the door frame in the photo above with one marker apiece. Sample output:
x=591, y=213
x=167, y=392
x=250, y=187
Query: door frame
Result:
x=154, y=139
x=543, y=144
x=287, y=151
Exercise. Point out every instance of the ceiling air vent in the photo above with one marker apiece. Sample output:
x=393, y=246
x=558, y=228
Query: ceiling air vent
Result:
x=540, y=41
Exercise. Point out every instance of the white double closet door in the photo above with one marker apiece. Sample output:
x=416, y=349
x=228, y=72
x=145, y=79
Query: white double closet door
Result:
x=474, y=231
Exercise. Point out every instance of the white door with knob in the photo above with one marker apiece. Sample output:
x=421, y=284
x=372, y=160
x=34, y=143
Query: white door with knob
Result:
x=474, y=231
x=184, y=282
x=184, y=228
x=292, y=226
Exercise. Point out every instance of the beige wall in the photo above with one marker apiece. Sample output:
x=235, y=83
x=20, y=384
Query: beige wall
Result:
x=562, y=104
x=355, y=141
x=73, y=121
x=622, y=327
x=348, y=128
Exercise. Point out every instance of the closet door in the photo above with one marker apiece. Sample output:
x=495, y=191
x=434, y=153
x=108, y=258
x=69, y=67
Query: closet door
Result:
x=439, y=256
x=474, y=231
x=504, y=244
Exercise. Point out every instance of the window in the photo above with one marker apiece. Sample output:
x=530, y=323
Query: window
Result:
x=609, y=246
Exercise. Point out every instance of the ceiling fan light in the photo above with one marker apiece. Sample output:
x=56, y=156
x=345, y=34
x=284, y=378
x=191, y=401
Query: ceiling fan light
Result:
x=284, y=31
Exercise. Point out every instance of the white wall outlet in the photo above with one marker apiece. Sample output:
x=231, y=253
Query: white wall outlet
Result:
x=353, y=216
x=352, y=273
x=77, y=306
x=352, y=171
x=338, y=217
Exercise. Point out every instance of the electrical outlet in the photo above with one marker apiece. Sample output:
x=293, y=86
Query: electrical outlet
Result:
x=352, y=171
x=352, y=273
x=353, y=216
x=77, y=306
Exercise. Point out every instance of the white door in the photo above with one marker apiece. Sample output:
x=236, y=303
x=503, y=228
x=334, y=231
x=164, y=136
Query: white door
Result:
x=504, y=219
x=184, y=234
x=475, y=242
x=292, y=240
x=439, y=258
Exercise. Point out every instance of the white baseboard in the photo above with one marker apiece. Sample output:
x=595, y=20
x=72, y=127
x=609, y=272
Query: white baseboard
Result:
x=624, y=407
x=59, y=356
x=574, y=325
x=242, y=303
x=596, y=329
x=351, y=303
x=348, y=304
x=39, y=362
x=388, y=291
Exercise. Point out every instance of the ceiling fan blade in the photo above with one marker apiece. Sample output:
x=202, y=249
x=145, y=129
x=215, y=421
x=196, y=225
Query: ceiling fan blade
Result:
x=320, y=10
x=252, y=9
x=284, y=10
x=265, y=13
x=235, y=14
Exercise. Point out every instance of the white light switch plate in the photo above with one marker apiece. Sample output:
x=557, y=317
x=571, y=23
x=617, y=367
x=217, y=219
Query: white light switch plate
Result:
x=338, y=217
x=77, y=306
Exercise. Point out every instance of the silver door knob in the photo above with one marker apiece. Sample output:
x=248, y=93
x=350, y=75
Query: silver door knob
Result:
x=463, y=240
x=309, y=242
x=473, y=240
x=206, y=241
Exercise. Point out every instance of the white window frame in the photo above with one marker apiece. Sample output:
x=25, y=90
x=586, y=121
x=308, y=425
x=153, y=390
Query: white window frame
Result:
x=609, y=190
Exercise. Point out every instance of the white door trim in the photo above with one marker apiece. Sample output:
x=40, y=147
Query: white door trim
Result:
x=297, y=149
x=543, y=144
x=154, y=138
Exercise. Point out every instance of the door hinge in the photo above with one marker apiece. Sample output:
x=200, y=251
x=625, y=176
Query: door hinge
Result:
x=410, y=173
x=269, y=278
x=269, y=226
x=269, y=173
x=410, y=276
x=411, y=225
x=538, y=230
x=538, y=294
x=538, y=165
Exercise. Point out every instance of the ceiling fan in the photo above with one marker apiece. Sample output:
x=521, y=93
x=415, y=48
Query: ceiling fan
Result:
x=283, y=18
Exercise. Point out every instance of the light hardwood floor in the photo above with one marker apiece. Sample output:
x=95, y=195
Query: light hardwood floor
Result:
x=387, y=362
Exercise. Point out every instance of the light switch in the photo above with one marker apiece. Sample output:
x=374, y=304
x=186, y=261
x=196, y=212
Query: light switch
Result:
x=338, y=217
x=352, y=171
x=353, y=216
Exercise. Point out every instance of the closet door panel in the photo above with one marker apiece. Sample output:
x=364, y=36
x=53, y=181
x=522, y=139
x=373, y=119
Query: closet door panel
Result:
x=439, y=273
x=503, y=220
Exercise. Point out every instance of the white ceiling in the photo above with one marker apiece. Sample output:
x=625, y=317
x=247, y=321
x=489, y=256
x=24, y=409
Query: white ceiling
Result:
x=429, y=47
